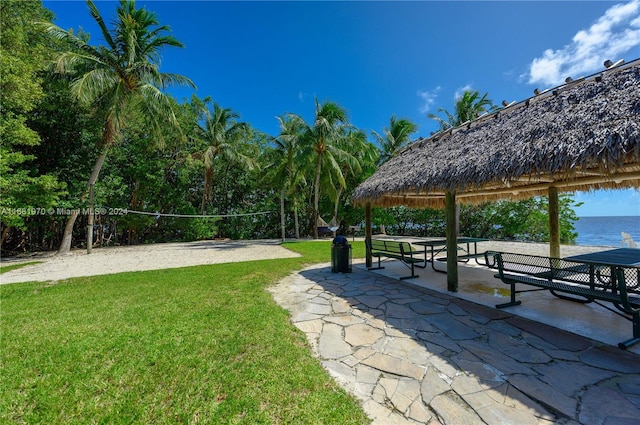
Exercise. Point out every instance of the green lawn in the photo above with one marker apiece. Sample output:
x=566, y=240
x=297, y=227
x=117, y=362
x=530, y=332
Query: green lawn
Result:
x=202, y=344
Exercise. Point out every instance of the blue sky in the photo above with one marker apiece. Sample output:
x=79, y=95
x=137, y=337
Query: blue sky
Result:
x=265, y=59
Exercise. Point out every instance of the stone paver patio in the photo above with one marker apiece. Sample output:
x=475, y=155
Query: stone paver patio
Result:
x=416, y=356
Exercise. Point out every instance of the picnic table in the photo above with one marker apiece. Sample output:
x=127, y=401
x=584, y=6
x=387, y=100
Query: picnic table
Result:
x=603, y=277
x=618, y=257
x=433, y=248
x=612, y=258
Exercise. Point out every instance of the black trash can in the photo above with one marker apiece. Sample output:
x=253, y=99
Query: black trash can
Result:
x=340, y=255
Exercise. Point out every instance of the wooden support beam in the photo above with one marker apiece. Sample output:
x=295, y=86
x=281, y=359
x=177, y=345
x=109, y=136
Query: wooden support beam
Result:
x=452, y=245
x=554, y=223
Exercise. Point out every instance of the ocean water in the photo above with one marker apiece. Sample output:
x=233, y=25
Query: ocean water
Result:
x=606, y=231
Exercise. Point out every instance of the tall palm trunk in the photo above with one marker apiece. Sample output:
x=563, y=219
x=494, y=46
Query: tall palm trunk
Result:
x=295, y=219
x=5, y=232
x=294, y=201
x=204, y=201
x=316, y=200
x=282, y=214
x=336, y=205
x=207, y=190
x=65, y=245
x=335, y=209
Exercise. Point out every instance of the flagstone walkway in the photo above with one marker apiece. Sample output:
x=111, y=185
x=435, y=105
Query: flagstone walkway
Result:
x=416, y=356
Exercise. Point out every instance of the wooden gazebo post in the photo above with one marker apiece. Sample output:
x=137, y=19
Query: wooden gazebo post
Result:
x=452, y=245
x=554, y=223
x=367, y=233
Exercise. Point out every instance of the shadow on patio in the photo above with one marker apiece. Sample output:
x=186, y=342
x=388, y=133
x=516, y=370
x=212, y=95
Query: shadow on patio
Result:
x=417, y=354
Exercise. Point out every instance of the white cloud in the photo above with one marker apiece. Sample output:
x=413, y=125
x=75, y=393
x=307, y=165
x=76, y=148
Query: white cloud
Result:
x=303, y=95
x=610, y=37
x=428, y=99
x=458, y=94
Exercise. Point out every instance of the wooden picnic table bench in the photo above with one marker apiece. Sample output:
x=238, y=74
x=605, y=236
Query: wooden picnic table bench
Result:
x=393, y=249
x=575, y=281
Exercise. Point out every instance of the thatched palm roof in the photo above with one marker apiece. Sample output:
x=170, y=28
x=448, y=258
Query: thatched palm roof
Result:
x=582, y=135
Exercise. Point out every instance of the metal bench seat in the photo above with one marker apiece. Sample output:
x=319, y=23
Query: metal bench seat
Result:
x=393, y=249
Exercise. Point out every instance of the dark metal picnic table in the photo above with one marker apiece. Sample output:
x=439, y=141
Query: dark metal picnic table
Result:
x=627, y=258
x=437, y=246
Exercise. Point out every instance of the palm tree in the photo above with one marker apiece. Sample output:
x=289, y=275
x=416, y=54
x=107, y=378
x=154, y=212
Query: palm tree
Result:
x=320, y=140
x=285, y=169
x=468, y=107
x=222, y=134
x=119, y=80
x=354, y=152
x=396, y=137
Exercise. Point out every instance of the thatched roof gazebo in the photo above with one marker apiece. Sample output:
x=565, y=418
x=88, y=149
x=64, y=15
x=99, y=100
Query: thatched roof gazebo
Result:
x=583, y=135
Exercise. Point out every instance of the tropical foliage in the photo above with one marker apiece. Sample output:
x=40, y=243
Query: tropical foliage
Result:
x=526, y=220
x=469, y=106
x=395, y=137
x=120, y=81
x=23, y=54
x=322, y=140
x=220, y=135
x=174, y=170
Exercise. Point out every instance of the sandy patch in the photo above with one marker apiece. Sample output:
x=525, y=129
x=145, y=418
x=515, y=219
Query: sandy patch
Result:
x=142, y=257
x=171, y=255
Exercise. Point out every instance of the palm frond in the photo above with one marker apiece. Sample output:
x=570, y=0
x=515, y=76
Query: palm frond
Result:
x=95, y=14
x=396, y=137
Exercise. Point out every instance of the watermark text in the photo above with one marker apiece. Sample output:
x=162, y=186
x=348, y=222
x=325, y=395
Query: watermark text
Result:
x=35, y=211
